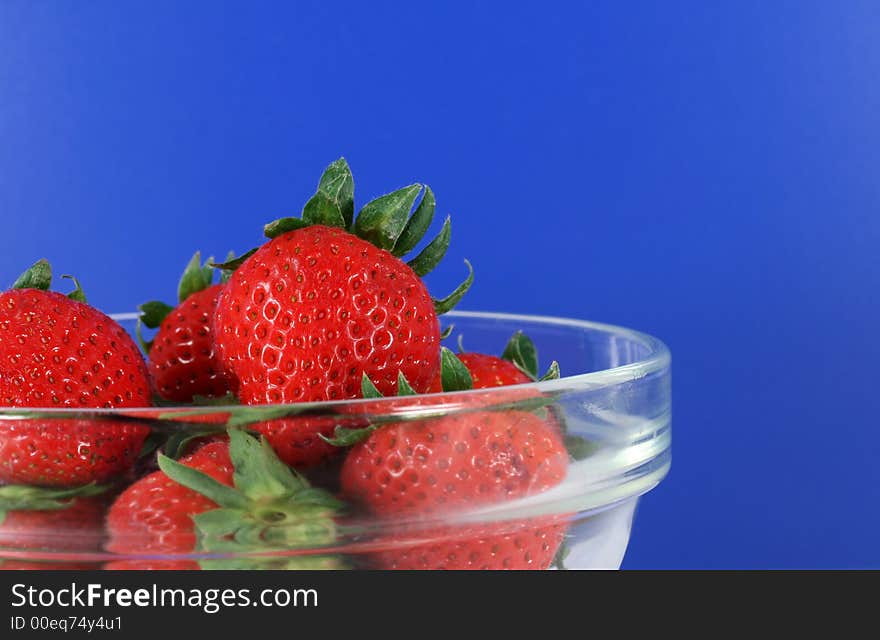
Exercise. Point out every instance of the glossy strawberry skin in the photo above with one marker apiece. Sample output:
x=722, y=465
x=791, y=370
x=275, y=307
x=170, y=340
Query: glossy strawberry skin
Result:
x=59, y=353
x=520, y=545
x=449, y=464
x=182, y=360
x=68, y=453
x=154, y=515
x=454, y=462
x=314, y=309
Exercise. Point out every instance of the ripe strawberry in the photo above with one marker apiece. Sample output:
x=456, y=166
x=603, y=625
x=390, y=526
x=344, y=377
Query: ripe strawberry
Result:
x=57, y=351
x=55, y=520
x=440, y=466
x=491, y=371
x=518, y=545
x=518, y=364
x=181, y=356
x=154, y=515
x=328, y=300
x=232, y=498
x=37, y=524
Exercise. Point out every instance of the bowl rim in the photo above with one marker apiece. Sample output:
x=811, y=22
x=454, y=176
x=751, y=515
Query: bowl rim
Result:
x=658, y=358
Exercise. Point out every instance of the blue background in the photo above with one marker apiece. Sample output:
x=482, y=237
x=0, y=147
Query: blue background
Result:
x=705, y=172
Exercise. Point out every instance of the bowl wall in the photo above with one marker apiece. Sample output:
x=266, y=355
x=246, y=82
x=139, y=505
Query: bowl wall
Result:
x=613, y=401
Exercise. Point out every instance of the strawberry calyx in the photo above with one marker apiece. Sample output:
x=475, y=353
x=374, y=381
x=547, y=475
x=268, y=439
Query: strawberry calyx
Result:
x=521, y=351
x=269, y=508
x=14, y=497
x=454, y=376
x=196, y=277
x=39, y=276
x=385, y=222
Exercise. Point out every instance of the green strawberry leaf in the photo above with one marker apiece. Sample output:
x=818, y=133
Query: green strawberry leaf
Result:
x=204, y=484
x=26, y=498
x=345, y=437
x=552, y=372
x=225, y=400
x=219, y=523
x=176, y=444
x=38, y=276
x=275, y=563
x=447, y=332
x=153, y=313
x=417, y=226
x=520, y=350
x=454, y=376
x=431, y=255
x=283, y=225
x=259, y=474
x=320, y=209
x=155, y=440
x=403, y=386
x=447, y=303
x=225, y=274
x=235, y=263
x=245, y=415
x=578, y=447
x=561, y=555
x=195, y=277
x=368, y=389
x=77, y=294
x=381, y=221
x=333, y=204
x=146, y=345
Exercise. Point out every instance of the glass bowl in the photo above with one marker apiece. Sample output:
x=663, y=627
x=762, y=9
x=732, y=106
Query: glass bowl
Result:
x=611, y=407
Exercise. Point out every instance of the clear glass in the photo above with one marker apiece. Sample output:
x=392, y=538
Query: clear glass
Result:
x=614, y=395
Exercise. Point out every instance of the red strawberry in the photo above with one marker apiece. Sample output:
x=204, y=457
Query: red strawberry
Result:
x=154, y=515
x=518, y=545
x=181, y=356
x=312, y=311
x=233, y=498
x=57, y=351
x=68, y=452
x=517, y=365
x=35, y=522
x=491, y=371
x=444, y=465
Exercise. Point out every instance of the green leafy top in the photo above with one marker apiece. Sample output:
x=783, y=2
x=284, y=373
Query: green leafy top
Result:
x=385, y=222
x=27, y=498
x=196, y=277
x=271, y=507
x=521, y=351
x=39, y=276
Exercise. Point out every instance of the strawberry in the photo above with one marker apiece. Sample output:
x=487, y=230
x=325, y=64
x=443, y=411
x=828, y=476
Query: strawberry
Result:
x=35, y=521
x=181, y=357
x=491, y=371
x=494, y=449
x=234, y=498
x=439, y=466
x=328, y=300
x=57, y=351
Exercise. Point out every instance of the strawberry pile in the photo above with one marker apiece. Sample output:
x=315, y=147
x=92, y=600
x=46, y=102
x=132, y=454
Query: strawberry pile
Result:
x=331, y=307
